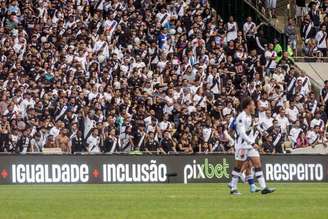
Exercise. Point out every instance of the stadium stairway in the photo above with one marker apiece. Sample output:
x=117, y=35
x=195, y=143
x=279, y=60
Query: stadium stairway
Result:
x=282, y=8
x=282, y=13
x=285, y=8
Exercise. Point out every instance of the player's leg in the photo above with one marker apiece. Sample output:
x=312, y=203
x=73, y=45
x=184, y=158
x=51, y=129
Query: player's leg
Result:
x=240, y=157
x=254, y=156
x=243, y=172
x=235, y=175
x=250, y=177
x=246, y=174
x=242, y=168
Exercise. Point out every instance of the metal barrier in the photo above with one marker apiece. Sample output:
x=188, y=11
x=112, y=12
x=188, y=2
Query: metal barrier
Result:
x=310, y=59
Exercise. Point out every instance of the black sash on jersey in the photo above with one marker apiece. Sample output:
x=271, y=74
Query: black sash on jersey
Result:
x=248, y=31
x=163, y=19
x=326, y=98
x=268, y=65
x=179, y=8
x=291, y=84
x=323, y=38
x=201, y=99
x=316, y=139
x=97, y=5
x=215, y=82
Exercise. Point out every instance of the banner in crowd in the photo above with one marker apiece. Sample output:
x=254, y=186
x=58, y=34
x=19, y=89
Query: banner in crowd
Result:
x=65, y=169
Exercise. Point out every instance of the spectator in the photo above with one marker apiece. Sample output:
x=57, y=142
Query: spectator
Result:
x=77, y=143
x=93, y=142
x=313, y=135
x=167, y=144
x=321, y=38
x=151, y=145
x=268, y=147
x=300, y=9
x=290, y=31
x=302, y=141
x=62, y=141
x=271, y=6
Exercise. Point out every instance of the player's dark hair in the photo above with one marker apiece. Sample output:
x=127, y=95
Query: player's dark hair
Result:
x=245, y=102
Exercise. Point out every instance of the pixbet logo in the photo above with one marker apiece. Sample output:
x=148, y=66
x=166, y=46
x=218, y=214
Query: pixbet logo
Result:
x=205, y=170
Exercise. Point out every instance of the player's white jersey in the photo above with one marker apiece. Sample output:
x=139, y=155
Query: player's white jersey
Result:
x=244, y=131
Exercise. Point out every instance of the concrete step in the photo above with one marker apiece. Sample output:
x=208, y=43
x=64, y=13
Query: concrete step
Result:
x=279, y=23
x=282, y=7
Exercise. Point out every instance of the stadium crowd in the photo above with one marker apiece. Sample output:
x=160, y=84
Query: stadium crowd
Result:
x=105, y=76
x=310, y=19
x=314, y=27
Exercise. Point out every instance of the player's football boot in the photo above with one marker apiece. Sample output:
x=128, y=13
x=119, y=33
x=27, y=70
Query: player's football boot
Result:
x=267, y=191
x=235, y=192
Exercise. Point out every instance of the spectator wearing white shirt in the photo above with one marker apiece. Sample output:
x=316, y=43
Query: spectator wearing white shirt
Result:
x=249, y=29
x=207, y=131
x=317, y=121
x=54, y=131
x=283, y=121
x=232, y=29
x=270, y=56
x=93, y=142
x=266, y=121
x=26, y=103
x=292, y=112
x=321, y=38
x=313, y=135
x=294, y=132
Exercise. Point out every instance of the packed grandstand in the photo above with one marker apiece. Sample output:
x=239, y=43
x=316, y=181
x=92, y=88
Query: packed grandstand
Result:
x=159, y=77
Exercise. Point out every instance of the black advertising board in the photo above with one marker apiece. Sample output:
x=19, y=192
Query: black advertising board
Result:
x=214, y=168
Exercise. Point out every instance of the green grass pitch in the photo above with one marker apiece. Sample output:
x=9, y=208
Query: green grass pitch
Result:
x=201, y=201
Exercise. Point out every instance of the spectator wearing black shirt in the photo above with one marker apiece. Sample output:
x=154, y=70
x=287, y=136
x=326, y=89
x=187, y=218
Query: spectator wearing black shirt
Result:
x=151, y=145
x=110, y=142
x=268, y=146
x=78, y=143
x=314, y=14
x=167, y=144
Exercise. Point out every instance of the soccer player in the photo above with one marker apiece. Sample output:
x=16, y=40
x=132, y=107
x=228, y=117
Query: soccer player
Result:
x=247, y=173
x=246, y=148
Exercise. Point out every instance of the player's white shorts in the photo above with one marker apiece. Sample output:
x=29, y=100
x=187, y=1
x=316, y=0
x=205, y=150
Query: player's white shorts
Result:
x=243, y=154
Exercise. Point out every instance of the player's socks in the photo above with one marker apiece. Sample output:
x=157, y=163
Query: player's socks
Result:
x=252, y=187
x=250, y=180
x=260, y=177
x=235, y=178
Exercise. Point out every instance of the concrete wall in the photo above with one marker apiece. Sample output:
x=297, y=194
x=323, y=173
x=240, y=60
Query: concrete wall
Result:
x=318, y=73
